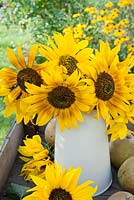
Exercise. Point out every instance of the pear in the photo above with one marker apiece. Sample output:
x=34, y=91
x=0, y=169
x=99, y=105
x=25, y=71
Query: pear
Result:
x=50, y=132
x=121, y=196
x=126, y=175
x=120, y=150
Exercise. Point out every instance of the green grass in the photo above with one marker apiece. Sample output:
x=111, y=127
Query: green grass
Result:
x=10, y=38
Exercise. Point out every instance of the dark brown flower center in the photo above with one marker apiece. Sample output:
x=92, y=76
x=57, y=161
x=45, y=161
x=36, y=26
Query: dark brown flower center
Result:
x=60, y=194
x=104, y=86
x=69, y=62
x=28, y=75
x=61, y=97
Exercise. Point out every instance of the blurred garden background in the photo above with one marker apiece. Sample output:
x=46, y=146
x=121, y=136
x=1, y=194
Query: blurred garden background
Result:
x=25, y=22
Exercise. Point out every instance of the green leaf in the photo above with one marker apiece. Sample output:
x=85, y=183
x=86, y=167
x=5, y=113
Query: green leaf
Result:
x=16, y=191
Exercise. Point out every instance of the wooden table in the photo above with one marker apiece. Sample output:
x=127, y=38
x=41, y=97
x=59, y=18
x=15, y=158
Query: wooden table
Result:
x=14, y=177
x=112, y=189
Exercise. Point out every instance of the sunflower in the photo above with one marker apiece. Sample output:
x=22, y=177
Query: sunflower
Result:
x=118, y=127
x=65, y=99
x=67, y=53
x=13, y=80
x=31, y=146
x=35, y=156
x=125, y=66
x=36, y=165
x=61, y=185
x=19, y=108
x=109, y=82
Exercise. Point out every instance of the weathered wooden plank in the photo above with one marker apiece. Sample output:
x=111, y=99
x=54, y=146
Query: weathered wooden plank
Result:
x=9, y=150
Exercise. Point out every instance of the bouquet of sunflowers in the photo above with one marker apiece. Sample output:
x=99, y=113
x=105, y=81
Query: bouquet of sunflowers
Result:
x=73, y=79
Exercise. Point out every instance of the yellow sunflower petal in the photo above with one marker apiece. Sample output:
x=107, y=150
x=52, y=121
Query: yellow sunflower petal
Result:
x=13, y=59
x=84, y=53
x=9, y=110
x=80, y=45
x=4, y=91
x=44, y=116
x=14, y=94
x=32, y=55
x=103, y=109
x=21, y=58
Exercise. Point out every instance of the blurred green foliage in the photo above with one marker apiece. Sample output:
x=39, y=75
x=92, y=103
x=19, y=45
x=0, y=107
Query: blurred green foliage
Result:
x=43, y=17
x=39, y=16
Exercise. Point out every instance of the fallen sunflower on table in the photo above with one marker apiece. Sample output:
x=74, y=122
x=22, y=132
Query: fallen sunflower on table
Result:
x=35, y=156
x=61, y=185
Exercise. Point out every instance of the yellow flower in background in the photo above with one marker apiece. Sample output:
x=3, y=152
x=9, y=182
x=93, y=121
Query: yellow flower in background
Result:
x=123, y=3
x=67, y=29
x=78, y=32
x=109, y=4
x=112, y=16
x=93, y=21
x=81, y=25
x=112, y=94
x=101, y=17
x=130, y=48
x=102, y=12
x=61, y=185
x=35, y=156
x=118, y=41
x=67, y=53
x=91, y=10
x=13, y=80
x=119, y=32
x=126, y=38
x=121, y=40
x=108, y=28
x=115, y=10
x=123, y=23
x=76, y=15
x=65, y=99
